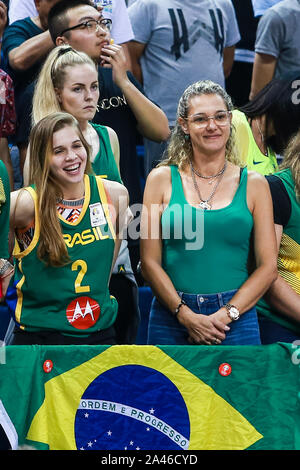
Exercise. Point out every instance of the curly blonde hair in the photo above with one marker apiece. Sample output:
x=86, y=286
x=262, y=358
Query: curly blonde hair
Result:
x=179, y=151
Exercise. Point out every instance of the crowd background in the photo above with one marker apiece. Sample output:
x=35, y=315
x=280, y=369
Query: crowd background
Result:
x=159, y=48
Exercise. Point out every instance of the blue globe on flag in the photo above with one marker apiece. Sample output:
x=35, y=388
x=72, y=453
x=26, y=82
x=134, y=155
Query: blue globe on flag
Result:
x=132, y=407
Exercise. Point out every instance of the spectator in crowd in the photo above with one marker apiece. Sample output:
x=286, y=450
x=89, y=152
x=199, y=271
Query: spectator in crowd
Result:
x=123, y=106
x=46, y=253
x=68, y=81
x=177, y=43
x=265, y=125
x=202, y=284
x=26, y=43
x=113, y=9
x=279, y=310
x=277, y=44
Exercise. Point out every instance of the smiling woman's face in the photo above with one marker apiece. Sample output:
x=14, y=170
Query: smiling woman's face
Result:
x=211, y=137
x=69, y=157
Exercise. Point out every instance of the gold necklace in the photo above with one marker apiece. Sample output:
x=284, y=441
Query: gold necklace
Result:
x=206, y=204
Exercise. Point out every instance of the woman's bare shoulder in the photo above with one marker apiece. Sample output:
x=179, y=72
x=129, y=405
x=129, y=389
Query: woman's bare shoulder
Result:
x=159, y=175
x=256, y=179
x=114, y=188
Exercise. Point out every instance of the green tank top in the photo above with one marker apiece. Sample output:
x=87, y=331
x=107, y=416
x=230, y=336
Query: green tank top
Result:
x=248, y=149
x=104, y=163
x=288, y=262
x=73, y=299
x=206, y=252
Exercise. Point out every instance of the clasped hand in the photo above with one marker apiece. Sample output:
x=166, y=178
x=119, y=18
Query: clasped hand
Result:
x=206, y=329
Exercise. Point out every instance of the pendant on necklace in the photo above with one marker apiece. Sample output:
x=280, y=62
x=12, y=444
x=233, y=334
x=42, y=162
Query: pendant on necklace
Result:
x=204, y=205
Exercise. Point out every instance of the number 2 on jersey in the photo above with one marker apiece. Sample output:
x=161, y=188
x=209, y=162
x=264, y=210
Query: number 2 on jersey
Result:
x=82, y=266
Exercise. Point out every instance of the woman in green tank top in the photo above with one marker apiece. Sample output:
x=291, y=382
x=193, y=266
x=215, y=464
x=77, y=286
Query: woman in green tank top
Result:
x=63, y=295
x=200, y=214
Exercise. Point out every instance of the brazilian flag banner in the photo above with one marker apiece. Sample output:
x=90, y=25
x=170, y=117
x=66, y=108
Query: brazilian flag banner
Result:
x=173, y=398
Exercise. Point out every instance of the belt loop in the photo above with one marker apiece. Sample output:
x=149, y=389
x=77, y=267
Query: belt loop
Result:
x=220, y=298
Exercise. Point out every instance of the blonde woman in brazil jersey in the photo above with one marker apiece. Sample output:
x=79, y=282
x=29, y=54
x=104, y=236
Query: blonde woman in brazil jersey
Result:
x=64, y=258
x=208, y=213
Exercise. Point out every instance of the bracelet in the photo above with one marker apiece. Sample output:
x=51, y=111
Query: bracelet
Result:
x=4, y=267
x=182, y=302
x=7, y=274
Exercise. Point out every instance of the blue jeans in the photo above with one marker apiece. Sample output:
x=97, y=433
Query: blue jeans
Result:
x=164, y=328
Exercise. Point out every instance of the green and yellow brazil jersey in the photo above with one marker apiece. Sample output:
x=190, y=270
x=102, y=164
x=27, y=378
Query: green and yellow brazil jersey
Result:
x=73, y=299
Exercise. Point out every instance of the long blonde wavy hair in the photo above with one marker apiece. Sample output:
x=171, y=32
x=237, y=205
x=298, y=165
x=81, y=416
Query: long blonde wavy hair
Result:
x=291, y=160
x=51, y=77
x=52, y=248
x=179, y=151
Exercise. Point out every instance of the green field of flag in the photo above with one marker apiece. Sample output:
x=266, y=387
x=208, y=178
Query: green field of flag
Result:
x=151, y=397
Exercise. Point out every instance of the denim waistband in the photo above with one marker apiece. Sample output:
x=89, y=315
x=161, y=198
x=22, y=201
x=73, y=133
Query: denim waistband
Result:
x=220, y=298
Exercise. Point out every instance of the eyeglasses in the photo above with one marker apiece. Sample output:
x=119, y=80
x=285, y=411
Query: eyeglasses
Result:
x=91, y=25
x=220, y=119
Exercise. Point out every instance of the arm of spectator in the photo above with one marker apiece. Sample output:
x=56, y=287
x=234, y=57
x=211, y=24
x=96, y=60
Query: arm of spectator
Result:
x=152, y=121
x=228, y=58
x=281, y=295
x=263, y=72
x=136, y=50
x=29, y=52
